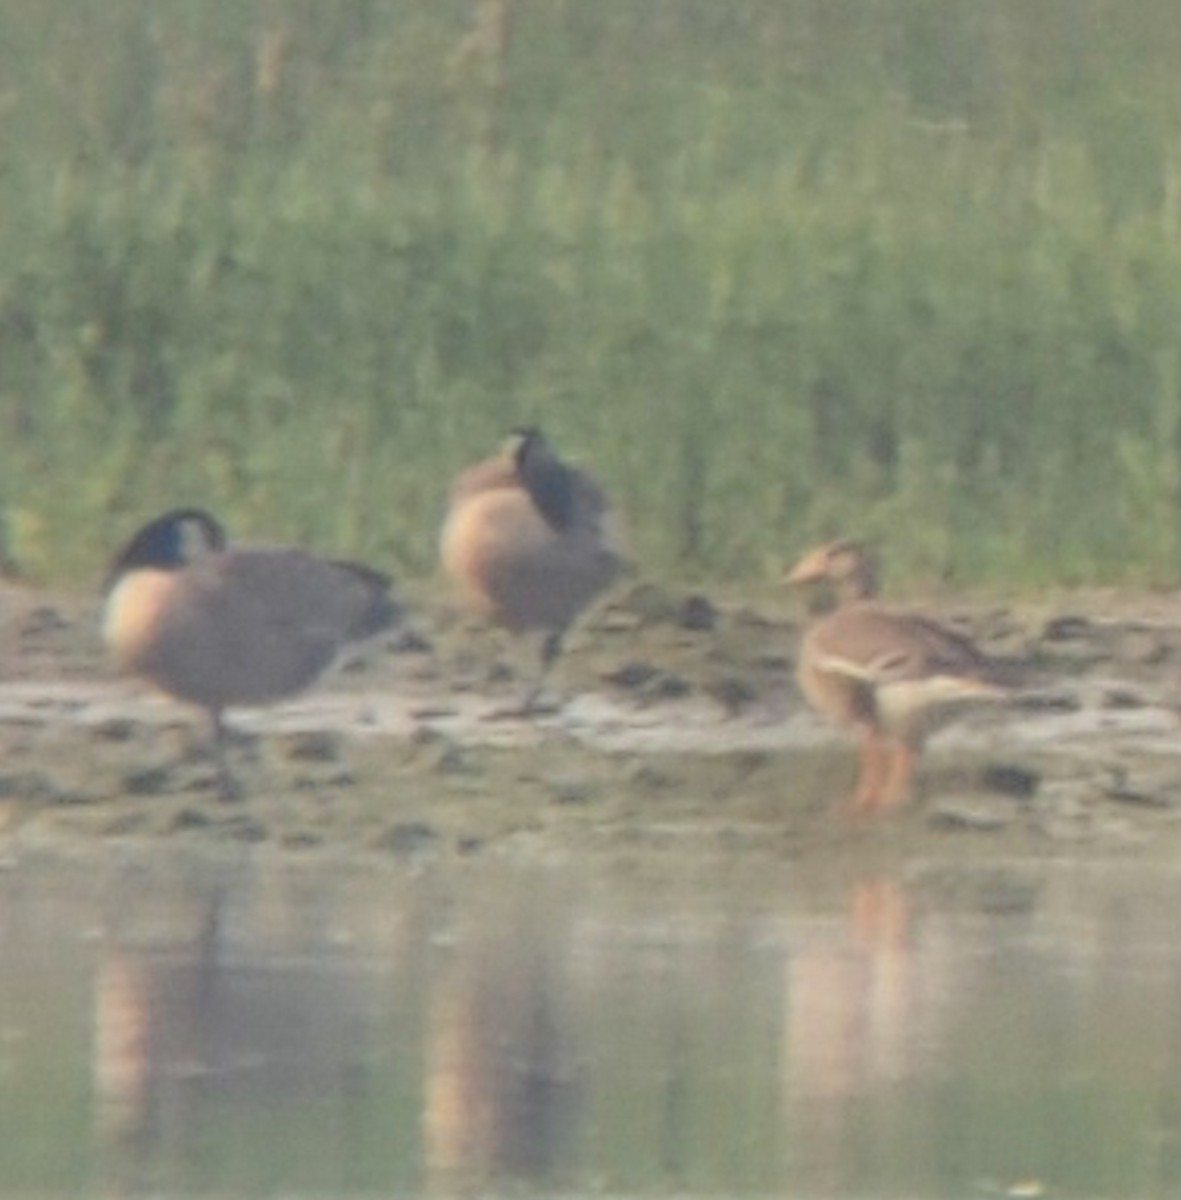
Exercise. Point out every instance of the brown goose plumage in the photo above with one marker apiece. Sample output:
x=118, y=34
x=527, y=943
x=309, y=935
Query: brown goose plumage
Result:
x=220, y=627
x=530, y=541
x=891, y=675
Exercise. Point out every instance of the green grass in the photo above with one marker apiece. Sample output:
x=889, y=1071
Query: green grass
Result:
x=774, y=269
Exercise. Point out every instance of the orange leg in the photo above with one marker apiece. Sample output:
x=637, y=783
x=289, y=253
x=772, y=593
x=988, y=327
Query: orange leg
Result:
x=874, y=763
x=898, y=777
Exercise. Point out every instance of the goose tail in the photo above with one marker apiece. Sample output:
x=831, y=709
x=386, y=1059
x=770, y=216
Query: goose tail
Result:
x=378, y=610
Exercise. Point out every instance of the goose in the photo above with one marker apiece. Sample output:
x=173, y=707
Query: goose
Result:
x=530, y=541
x=892, y=676
x=218, y=626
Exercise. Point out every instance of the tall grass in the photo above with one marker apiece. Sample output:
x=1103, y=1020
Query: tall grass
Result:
x=776, y=269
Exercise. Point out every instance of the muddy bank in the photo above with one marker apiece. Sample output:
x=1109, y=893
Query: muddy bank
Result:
x=679, y=729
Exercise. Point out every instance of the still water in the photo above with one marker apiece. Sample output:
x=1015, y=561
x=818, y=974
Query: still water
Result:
x=260, y=1025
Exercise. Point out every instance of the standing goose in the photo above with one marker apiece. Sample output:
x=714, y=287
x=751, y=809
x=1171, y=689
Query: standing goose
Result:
x=219, y=627
x=530, y=542
x=891, y=676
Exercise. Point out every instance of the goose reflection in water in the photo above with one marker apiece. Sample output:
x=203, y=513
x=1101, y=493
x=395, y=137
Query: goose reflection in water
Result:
x=187, y=1033
x=315, y=1039
x=850, y=1025
x=501, y=1093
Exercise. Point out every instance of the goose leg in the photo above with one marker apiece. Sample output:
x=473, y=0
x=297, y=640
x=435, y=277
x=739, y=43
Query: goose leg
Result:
x=551, y=648
x=874, y=755
x=530, y=704
x=898, y=777
x=228, y=788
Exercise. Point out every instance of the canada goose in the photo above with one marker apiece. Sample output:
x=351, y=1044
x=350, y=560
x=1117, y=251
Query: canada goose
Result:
x=220, y=627
x=530, y=541
x=890, y=675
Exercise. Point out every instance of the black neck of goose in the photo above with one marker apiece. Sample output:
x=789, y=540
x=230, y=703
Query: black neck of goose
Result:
x=549, y=482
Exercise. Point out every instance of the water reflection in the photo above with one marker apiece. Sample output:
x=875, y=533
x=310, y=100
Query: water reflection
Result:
x=266, y=1027
x=850, y=1015
x=501, y=1081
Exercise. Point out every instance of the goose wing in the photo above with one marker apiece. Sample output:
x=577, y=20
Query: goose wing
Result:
x=879, y=646
x=266, y=623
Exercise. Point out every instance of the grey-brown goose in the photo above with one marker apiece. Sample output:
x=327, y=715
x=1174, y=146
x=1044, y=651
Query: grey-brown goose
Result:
x=892, y=676
x=530, y=541
x=218, y=627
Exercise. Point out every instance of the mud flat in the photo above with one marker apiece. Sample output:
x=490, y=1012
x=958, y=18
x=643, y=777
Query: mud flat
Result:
x=679, y=734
